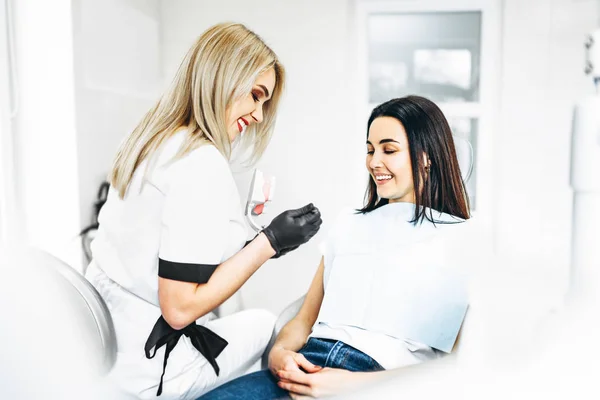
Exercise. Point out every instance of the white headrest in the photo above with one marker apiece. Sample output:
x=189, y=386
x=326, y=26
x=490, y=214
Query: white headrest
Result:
x=464, y=153
x=43, y=280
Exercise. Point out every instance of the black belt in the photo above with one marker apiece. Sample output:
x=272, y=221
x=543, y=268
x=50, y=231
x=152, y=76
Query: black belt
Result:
x=208, y=343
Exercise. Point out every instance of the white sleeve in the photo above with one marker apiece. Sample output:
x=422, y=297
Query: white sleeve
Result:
x=195, y=217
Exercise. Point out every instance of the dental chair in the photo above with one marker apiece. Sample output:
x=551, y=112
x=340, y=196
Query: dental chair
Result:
x=465, y=156
x=94, y=317
x=63, y=334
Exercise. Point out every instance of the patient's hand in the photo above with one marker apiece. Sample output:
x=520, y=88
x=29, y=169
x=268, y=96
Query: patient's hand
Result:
x=281, y=359
x=326, y=382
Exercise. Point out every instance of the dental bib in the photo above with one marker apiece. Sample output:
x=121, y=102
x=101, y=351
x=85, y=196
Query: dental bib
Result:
x=386, y=275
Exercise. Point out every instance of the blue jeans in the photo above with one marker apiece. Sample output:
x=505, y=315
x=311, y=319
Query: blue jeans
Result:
x=262, y=385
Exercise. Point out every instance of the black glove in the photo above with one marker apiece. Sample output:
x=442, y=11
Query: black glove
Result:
x=292, y=228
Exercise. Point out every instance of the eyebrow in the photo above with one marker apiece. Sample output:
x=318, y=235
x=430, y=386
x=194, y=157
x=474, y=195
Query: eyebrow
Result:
x=382, y=141
x=264, y=88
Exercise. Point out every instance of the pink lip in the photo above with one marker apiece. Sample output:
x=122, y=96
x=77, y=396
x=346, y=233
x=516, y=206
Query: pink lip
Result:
x=239, y=126
x=379, y=183
x=246, y=122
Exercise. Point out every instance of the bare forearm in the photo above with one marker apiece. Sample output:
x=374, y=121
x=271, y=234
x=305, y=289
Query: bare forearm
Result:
x=233, y=273
x=293, y=335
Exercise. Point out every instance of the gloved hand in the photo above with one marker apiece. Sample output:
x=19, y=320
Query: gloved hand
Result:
x=292, y=228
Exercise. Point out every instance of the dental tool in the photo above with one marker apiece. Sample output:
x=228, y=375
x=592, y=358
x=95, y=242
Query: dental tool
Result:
x=259, y=198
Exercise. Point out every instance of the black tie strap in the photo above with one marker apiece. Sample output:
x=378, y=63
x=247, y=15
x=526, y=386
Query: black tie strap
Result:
x=185, y=272
x=208, y=343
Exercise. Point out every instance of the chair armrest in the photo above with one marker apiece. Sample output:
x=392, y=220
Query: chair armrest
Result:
x=284, y=317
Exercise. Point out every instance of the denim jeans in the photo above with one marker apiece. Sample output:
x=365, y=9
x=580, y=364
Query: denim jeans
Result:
x=262, y=385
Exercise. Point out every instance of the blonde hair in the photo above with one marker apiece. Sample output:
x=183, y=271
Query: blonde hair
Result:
x=220, y=68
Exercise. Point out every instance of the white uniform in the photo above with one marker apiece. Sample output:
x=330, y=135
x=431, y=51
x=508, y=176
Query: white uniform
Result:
x=394, y=290
x=179, y=222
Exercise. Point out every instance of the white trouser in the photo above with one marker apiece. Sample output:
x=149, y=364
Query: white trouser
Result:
x=248, y=333
x=188, y=375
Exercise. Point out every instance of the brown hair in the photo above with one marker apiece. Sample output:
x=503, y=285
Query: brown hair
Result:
x=428, y=132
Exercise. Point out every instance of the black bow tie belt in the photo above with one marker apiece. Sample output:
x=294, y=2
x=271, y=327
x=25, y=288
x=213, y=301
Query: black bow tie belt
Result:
x=208, y=343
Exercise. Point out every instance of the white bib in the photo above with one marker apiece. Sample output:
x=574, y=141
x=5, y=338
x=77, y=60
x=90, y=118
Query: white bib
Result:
x=404, y=286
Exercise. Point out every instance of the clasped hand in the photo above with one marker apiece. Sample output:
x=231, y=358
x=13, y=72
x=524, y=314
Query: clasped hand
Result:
x=303, y=379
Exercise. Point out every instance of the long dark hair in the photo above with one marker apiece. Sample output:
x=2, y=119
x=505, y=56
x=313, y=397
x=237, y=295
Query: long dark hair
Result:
x=443, y=188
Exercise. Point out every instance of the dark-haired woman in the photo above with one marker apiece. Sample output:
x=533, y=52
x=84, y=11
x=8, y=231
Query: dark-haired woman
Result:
x=391, y=288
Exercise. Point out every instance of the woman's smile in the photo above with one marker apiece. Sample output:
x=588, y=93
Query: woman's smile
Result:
x=382, y=179
x=242, y=124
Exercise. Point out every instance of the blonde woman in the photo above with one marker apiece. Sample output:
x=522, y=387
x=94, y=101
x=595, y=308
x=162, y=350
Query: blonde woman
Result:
x=171, y=243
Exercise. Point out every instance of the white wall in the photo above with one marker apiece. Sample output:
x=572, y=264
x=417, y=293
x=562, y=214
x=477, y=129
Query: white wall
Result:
x=44, y=129
x=117, y=79
x=316, y=153
x=542, y=78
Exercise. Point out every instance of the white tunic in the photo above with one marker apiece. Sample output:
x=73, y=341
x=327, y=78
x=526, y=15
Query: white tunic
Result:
x=185, y=211
x=394, y=290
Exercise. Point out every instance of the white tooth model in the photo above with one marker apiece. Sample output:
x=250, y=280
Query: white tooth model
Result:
x=585, y=181
x=261, y=194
